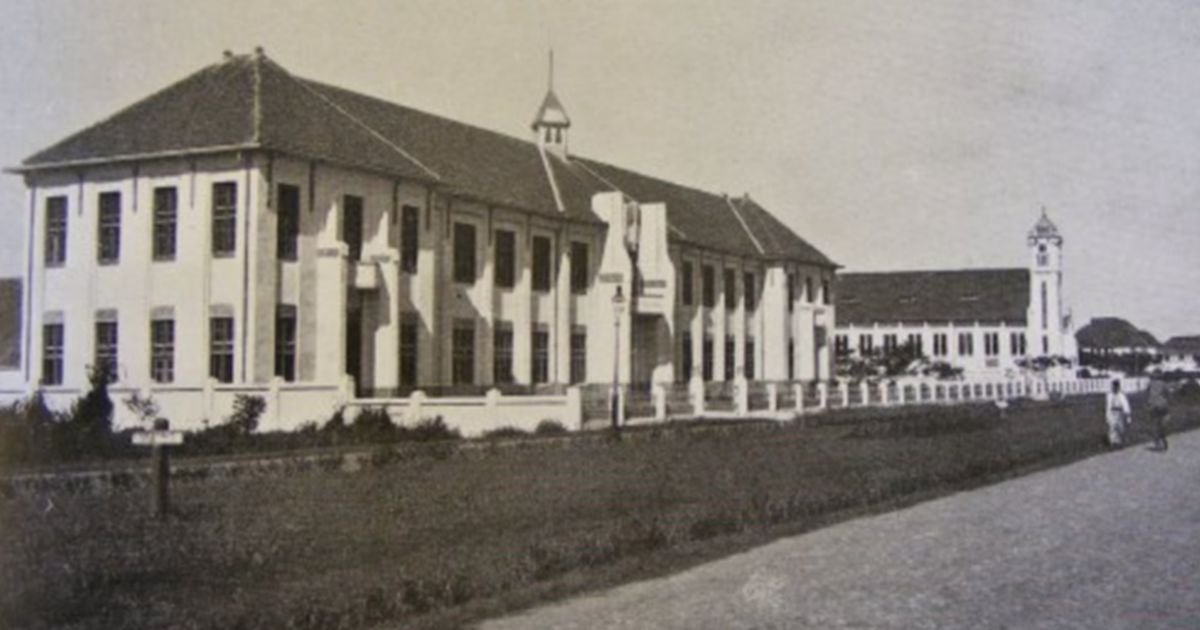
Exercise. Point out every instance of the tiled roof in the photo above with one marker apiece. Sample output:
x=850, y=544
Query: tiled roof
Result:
x=1113, y=332
x=251, y=102
x=964, y=296
x=1183, y=344
x=10, y=323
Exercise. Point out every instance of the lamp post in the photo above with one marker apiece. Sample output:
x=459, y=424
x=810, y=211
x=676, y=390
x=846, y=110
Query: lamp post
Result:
x=618, y=302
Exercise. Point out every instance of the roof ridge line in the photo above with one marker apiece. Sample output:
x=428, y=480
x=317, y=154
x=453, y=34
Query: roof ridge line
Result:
x=753, y=238
x=256, y=107
x=354, y=119
x=562, y=208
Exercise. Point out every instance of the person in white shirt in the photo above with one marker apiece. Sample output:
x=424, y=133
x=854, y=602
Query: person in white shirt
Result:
x=1117, y=413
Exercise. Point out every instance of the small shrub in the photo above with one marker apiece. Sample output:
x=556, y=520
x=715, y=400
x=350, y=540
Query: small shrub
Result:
x=430, y=430
x=550, y=427
x=503, y=433
x=247, y=410
x=373, y=426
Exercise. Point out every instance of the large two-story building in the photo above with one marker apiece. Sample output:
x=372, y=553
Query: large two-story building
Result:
x=247, y=226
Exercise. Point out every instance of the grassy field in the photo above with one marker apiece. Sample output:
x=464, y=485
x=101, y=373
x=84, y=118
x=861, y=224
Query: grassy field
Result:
x=433, y=540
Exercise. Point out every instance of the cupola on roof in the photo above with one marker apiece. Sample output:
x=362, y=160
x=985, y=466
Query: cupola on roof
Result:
x=1044, y=228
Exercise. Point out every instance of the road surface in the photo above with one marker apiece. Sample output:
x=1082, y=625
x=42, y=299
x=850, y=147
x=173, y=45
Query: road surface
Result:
x=1109, y=542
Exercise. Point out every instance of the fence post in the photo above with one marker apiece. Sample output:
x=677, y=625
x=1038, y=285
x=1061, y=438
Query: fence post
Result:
x=415, y=401
x=741, y=395
x=798, y=390
x=772, y=397
x=696, y=392
x=844, y=390
x=883, y=394
x=823, y=395
x=660, y=401
x=273, y=406
x=866, y=393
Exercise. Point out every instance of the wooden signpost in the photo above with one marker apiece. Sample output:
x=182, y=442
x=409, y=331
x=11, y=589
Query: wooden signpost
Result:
x=159, y=439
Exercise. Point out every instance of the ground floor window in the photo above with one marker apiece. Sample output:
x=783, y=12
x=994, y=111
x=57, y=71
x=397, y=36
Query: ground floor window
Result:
x=791, y=360
x=52, y=354
x=502, y=354
x=578, y=356
x=749, y=369
x=730, y=351
x=541, y=355
x=408, y=352
x=685, y=356
x=220, y=349
x=162, y=350
x=707, y=358
x=285, y=342
x=106, y=349
x=463, y=353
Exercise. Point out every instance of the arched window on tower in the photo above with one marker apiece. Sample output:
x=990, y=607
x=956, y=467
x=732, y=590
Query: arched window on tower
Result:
x=1042, y=257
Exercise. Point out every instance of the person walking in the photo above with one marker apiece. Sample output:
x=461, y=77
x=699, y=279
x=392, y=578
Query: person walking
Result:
x=1117, y=413
x=1158, y=398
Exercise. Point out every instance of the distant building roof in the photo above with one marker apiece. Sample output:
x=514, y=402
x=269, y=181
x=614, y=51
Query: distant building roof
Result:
x=250, y=102
x=1183, y=344
x=1113, y=332
x=10, y=323
x=965, y=296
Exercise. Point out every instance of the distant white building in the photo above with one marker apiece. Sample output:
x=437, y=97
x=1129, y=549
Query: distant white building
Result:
x=245, y=227
x=1181, y=353
x=982, y=320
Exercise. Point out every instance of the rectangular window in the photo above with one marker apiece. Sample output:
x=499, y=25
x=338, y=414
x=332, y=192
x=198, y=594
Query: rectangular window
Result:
x=730, y=351
x=991, y=344
x=52, y=354
x=917, y=344
x=1016, y=344
x=866, y=344
x=707, y=358
x=408, y=351
x=56, y=231
x=462, y=364
x=685, y=356
x=749, y=366
x=108, y=223
x=808, y=290
x=748, y=291
x=841, y=344
x=410, y=238
x=352, y=226
x=541, y=263
x=287, y=225
x=826, y=297
x=224, y=218
x=940, y=345
x=966, y=344
x=581, y=272
x=889, y=343
x=285, y=342
x=685, y=283
x=502, y=354
x=464, y=253
x=166, y=203
x=791, y=294
x=105, y=357
x=791, y=359
x=729, y=281
x=220, y=349
x=1045, y=345
x=506, y=259
x=162, y=350
x=541, y=355
x=708, y=286
x=578, y=356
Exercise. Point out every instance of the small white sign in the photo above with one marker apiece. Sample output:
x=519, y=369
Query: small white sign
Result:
x=158, y=438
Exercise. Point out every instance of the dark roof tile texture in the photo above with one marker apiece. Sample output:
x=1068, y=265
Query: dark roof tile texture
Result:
x=1113, y=332
x=961, y=296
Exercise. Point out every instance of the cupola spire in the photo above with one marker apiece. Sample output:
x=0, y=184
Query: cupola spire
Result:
x=551, y=122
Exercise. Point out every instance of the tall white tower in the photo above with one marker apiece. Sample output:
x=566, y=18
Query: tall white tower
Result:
x=551, y=123
x=1046, y=327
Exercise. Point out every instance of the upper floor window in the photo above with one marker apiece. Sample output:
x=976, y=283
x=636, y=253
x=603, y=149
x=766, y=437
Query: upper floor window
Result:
x=748, y=290
x=841, y=344
x=709, y=288
x=581, y=272
x=287, y=227
x=685, y=282
x=1016, y=344
x=352, y=226
x=56, y=231
x=224, y=218
x=506, y=259
x=826, y=298
x=940, y=345
x=730, y=288
x=808, y=290
x=889, y=342
x=165, y=221
x=108, y=221
x=410, y=224
x=541, y=263
x=991, y=344
x=866, y=344
x=464, y=253
x=791, y=292
x=917, y=344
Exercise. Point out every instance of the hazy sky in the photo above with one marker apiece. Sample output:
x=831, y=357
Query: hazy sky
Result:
x=891, y=135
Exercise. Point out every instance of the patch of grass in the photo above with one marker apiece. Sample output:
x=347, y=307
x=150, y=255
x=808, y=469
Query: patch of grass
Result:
x=413, y=538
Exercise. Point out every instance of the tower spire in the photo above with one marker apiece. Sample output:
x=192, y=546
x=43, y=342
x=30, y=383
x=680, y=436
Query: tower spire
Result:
x=550, y=76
